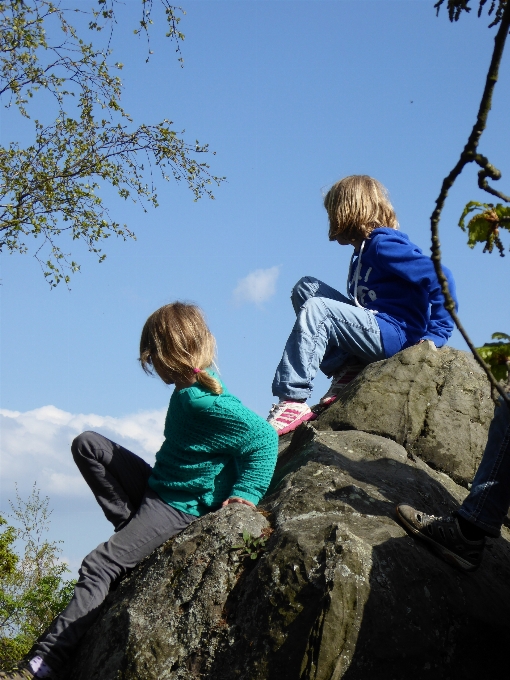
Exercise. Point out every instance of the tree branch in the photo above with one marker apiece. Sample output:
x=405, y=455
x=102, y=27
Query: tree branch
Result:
x=469, y=155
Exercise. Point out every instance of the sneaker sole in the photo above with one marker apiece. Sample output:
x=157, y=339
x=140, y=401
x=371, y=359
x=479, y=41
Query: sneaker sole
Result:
x=328, y=401
x=296, y=423
x=447, y=555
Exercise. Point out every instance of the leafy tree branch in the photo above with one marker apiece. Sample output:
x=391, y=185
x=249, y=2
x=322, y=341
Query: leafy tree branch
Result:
x=485, y=226
x=52, y=186
x=470, y=155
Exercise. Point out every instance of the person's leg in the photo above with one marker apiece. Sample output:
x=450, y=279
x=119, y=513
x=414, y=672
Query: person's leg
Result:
x=489, y=498
x=309, y=287
x=117, y=477
x=328, y=330
x=460, y=539
x=153, y=524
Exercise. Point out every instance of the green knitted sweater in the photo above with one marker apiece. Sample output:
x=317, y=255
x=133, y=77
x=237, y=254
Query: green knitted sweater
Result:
x=214, y=448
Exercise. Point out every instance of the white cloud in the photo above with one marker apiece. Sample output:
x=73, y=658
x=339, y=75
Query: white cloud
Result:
x=257, y=287
x=35, y=446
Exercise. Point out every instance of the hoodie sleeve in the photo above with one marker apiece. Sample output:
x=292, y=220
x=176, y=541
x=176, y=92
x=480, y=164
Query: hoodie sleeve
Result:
x=254, y=445
x=440, y=326
x=406, y=260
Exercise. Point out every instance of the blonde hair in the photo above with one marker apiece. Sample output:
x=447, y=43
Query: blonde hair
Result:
x=356, y=205
x=177, y=344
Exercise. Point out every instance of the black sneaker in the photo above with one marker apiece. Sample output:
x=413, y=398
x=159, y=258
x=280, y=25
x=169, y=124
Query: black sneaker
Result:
x=444, y=536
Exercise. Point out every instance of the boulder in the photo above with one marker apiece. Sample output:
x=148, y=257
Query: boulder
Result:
x=435, y=403
x=167, y=619
x=339, y=591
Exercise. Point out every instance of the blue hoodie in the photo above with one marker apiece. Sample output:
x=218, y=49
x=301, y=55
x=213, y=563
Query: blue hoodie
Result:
x=398, y=283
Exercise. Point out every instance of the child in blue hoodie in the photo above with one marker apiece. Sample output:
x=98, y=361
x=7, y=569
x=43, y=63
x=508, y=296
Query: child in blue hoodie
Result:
x=393, y=301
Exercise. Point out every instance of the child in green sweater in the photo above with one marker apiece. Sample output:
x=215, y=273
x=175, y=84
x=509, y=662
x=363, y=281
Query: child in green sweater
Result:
x=216, y=452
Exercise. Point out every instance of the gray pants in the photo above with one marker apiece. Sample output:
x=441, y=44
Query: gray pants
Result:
x=118, y=479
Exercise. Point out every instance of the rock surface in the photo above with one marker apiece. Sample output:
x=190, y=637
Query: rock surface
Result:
x=167, y=619
x=436, y=403
x=340, y=590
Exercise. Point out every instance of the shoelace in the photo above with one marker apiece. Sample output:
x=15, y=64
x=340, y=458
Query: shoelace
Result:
x=274, y=408
x=427, y=520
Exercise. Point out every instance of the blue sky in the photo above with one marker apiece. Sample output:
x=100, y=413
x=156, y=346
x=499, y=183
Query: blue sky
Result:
x=292, y=96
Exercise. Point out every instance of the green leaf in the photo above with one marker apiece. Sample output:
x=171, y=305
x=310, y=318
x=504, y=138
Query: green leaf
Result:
x=497, y=356
x=472, y=205
x=485, y=226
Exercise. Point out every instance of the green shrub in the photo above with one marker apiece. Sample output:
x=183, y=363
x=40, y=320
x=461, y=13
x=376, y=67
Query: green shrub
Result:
x=33, y=589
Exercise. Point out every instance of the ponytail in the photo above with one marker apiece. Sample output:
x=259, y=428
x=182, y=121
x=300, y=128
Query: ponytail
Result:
x=206, y=380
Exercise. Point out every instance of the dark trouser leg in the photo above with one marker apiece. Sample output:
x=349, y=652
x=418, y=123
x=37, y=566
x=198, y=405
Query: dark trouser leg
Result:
x=153, y=524
x=489, y=498
x=117, y=477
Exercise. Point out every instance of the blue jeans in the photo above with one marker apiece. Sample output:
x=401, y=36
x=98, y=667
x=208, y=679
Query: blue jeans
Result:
x=329, y=329
x=489, y=498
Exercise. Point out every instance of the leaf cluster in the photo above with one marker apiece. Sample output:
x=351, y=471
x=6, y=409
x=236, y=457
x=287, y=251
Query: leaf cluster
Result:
x=497, y=355
x=456, y=7
x=33, y=589
x=484, y=226
x=52, y=186
x=251, y=546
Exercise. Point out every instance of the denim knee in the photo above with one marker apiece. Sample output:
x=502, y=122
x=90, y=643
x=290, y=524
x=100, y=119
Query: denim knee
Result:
x=304, y=289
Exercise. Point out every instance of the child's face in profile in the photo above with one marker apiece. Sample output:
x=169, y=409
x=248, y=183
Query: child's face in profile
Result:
x=170, y=379
x=345, y=242
x=336, y=235
x=162, y=371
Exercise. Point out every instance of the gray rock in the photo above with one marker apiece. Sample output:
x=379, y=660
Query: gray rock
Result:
x=435, y=403
x=167, y=619
x=340, y=592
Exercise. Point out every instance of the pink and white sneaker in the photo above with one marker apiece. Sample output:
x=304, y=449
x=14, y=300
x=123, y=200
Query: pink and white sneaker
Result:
x=288, y=415
x=341, y=378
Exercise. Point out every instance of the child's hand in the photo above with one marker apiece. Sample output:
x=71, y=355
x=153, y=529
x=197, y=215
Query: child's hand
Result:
x=236, y=499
